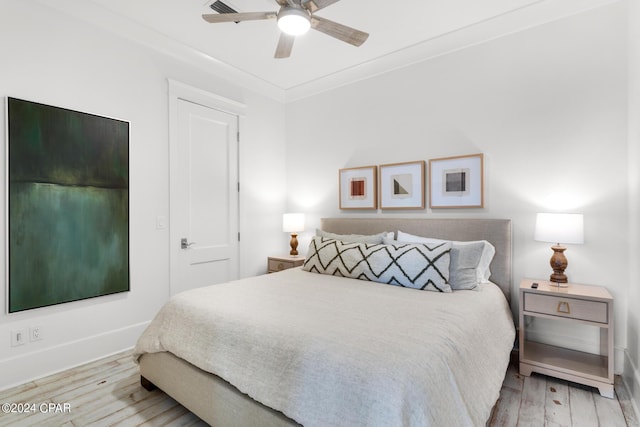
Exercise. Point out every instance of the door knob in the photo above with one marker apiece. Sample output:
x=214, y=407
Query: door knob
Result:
x=184, y=244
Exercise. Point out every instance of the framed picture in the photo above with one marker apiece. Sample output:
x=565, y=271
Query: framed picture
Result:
x=68, y=205
x=457, y=182
x=358, y=188
x=402, y=185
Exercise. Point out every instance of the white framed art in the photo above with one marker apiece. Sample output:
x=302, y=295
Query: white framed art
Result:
x=402, y=185
x=358, y=188
x=456, y=182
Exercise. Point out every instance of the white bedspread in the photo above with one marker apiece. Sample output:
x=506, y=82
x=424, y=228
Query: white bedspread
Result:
x=331, y=351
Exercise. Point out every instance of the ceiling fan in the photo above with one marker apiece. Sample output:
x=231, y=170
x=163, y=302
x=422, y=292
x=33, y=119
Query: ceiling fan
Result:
x=295, y=17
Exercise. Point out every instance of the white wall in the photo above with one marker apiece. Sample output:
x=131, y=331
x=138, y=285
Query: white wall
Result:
x=632, y=360
x=547, y=106
x=52, y=58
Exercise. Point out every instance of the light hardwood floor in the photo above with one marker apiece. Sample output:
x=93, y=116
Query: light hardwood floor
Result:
x=108, y=393
x=539, y=400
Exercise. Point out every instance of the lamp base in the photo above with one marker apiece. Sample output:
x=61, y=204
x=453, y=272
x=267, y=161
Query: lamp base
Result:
x=558, y=264
x=294, y=245
x=554, y=283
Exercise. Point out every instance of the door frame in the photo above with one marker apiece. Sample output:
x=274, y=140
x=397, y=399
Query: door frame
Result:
x=181, y=91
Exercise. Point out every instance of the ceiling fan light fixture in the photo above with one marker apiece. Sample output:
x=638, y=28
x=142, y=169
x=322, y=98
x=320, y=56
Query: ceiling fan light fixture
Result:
x=293, y=21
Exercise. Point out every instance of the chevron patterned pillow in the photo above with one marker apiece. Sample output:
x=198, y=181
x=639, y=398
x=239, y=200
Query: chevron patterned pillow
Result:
x=412, y=265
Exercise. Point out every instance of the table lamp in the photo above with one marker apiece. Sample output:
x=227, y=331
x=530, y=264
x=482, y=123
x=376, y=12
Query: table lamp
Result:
x=559, y=228
x=293, y=223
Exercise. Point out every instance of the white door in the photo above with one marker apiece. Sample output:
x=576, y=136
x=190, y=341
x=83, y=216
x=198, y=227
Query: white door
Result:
x=203, y=196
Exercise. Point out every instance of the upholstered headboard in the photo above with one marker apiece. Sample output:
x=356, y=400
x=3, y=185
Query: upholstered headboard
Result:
x=495, y=231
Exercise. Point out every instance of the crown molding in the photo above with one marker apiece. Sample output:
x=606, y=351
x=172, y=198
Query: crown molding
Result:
x=530, y=16
x=534, y=14
x=109, y=21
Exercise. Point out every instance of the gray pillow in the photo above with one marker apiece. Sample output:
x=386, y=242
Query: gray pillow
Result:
x=469, y=260
x=354, y=238
x=464, y=262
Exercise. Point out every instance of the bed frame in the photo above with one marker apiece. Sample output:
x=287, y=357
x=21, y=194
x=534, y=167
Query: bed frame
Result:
x=220, y=404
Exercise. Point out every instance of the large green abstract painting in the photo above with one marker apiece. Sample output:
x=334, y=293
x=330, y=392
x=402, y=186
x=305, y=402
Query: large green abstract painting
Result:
x=68, y=205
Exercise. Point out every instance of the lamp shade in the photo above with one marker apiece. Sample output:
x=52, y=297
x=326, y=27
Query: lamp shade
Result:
x=559, y=228
x=293, y=222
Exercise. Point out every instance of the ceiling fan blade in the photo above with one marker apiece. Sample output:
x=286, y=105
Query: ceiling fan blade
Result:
x=313, y=5
x=221, y=7
x=285, y=44
x=214, y=18
x=339, y=31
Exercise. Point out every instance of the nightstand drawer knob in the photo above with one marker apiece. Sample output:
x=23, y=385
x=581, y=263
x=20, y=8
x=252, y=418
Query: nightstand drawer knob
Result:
x=563, y=307
x=281, y=266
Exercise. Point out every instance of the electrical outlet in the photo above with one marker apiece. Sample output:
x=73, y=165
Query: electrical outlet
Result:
x=18, y=337
x=35, y=333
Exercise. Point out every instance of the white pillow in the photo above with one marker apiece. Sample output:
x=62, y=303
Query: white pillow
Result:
x=483, y=272
x=419, y=266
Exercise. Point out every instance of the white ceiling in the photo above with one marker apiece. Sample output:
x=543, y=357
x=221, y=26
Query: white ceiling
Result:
x=401, y=32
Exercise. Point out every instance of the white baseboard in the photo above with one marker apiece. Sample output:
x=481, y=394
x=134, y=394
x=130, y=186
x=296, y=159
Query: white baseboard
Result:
x=41, y=363
x=631, y=380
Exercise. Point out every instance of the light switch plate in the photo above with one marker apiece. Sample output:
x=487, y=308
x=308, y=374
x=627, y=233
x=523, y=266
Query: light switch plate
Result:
x=18, y=337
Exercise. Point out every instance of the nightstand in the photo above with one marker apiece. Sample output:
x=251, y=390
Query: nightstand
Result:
x=583, y=304
x=279, y=263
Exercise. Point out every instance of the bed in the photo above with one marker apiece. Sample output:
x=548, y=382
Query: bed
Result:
x=302, y=348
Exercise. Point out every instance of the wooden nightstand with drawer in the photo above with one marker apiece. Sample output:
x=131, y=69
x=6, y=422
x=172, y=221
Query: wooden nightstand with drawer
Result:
x=279, y=263
x=584, y=304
